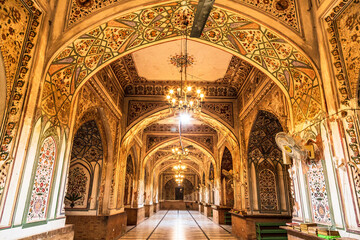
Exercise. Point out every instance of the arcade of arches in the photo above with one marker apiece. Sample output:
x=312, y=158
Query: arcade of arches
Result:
x=86, y=131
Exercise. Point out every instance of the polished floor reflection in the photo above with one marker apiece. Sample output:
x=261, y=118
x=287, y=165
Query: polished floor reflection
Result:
x=178, y=225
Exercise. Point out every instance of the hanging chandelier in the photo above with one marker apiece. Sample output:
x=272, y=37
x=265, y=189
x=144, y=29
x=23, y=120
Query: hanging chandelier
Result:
x=180, y=153
x=185, y=98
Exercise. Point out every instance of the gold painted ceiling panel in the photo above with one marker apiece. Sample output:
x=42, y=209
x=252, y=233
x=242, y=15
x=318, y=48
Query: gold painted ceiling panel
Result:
x=284, y=10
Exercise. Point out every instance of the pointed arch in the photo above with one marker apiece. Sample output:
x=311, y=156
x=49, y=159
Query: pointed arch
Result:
x=286, y=65
x=86, y=162
x=175, y=140
x=264, y=156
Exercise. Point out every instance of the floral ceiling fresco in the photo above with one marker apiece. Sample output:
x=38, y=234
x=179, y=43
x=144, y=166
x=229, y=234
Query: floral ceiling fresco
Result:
x=284, y=10
x=227, y=30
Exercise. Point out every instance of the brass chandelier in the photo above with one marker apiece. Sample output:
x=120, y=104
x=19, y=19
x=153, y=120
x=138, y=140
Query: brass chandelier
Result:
x=185, y=98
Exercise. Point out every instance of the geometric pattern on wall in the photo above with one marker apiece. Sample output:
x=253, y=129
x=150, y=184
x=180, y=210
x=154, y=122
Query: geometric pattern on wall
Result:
x=86, y=160
x=284, y=10
x=267, y=187
x=318, y=194
x=344, y=41
x=265, y=155
x=223, y=110
x=87, y=143
x=42, y=182
x=137, y=109
x=228, y=30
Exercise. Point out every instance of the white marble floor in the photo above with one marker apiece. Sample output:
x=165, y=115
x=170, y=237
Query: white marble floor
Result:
x=178, y=225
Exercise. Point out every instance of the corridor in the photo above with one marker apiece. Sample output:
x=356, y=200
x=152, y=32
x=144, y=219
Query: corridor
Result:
x=178, y=225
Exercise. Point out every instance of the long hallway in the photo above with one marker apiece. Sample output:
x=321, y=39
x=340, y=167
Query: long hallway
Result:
x=178, y=225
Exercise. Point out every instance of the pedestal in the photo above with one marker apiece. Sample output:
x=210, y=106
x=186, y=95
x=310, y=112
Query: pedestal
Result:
x=98, y=227
x=201, y=208
x=244, y=226
x=207, y=210
x=135, y=215
x=219, y=214
x=149, y=210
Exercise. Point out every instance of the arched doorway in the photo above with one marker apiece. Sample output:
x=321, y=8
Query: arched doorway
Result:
x=226, y=181
x=268, y=179
x=175, y=191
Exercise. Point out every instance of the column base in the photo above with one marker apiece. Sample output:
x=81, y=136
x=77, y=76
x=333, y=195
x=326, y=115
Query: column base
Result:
x=220, y=215
x=135, y=215
x=98, y=227
x=201, y=207
x=149, y=210
x=244, y=226
x=207, y=210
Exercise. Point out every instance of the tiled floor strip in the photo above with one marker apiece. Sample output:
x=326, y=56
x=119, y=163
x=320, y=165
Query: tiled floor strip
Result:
x=199, y=225
x=178, y=225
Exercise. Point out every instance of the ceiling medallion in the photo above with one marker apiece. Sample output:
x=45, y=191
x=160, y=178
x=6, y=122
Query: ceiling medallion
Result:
x=180, y=61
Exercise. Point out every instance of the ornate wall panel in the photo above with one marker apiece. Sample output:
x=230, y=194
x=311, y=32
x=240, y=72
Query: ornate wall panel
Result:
x=138, y=109
x=78, y=187
x=19, y=33
x=152, y=140
x=193, y=129
x=42, y=182
x=223, y=110
x=344, y=36
x=206, y=141
x=265, y=155
x=160, y=88
x=86, y=159
x=318, y=194
x=267, y=187
x=232, y=31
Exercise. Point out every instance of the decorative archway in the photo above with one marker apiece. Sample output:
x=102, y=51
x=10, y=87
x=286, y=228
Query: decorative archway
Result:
x=268, y=175
x=285, y=64
x=87, y=157
x=176, y=140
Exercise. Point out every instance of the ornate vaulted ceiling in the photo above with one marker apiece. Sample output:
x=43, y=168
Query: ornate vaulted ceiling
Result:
x=284, y=10
x=219, y=76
